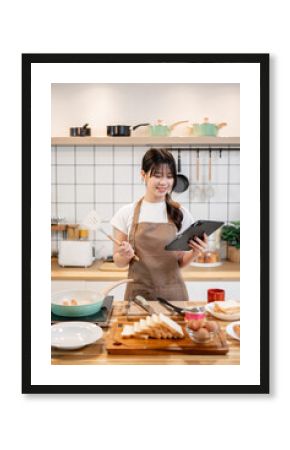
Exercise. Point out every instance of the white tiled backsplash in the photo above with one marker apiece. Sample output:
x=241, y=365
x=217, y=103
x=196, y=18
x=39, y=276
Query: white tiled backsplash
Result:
x=86, y=178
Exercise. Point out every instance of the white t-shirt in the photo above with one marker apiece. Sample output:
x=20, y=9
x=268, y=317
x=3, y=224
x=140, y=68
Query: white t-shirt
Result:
x=149, y=212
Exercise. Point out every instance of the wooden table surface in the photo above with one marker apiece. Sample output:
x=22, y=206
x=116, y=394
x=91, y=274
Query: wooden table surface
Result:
x=104, y=271
x=96, y=354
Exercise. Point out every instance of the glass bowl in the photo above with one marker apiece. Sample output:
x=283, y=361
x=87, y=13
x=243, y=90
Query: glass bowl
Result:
x=202, y=335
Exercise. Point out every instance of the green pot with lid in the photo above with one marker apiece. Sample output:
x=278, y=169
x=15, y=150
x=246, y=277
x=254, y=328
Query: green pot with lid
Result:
x=206, y=128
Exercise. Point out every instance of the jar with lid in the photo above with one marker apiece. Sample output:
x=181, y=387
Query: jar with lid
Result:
x=211, y=256
x=195, y=315
x=212, y=253
x=83, y=234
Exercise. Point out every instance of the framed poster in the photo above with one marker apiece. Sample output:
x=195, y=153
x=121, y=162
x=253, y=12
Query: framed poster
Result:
x=211, y=113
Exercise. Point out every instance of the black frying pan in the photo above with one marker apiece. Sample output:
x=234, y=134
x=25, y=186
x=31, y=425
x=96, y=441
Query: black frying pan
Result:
x=123, y=130
x=182, y=182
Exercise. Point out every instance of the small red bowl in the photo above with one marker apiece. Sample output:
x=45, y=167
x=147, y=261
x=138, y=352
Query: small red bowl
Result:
x=215, y=295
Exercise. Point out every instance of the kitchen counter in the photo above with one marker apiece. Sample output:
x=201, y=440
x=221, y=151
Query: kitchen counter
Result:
x=104, y=271
x=96, y=354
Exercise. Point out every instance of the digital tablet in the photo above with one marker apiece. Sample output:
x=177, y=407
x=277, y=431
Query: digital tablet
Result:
x=180, y=243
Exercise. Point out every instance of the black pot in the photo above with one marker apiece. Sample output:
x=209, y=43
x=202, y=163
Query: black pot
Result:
x=80, y=131
x=123, y=130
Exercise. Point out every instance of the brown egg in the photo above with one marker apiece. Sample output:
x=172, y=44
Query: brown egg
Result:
x=65, y=303
x=202, y=335
x=211, y=326
x=202, y=322
x=74, y=302
x=194, y=324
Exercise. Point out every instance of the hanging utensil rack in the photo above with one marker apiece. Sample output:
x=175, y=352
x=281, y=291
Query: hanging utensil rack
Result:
x=205, y=148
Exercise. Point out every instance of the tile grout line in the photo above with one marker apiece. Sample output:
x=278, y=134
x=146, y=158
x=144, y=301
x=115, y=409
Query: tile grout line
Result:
x=94, y=176
x=190, y=177
x=208, y=202
x=56, y=196
x=74, y=184
x=110, y=203
x=138, y=184
x=132, y=173
x=228, y=186
x=113, y=184
x=137, y=165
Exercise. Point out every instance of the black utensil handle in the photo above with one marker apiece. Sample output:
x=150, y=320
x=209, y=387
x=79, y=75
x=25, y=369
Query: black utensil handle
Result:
x=178, y=162
x=140, y=125
x=175, y=308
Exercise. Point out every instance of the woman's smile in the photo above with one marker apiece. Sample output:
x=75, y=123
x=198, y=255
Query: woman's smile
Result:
x=161, y=189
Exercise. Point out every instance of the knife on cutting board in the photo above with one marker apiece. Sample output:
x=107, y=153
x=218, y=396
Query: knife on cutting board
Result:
x=141, y=301
x=178, y=309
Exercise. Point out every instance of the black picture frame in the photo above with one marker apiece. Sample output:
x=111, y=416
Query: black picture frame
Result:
x=263, y=61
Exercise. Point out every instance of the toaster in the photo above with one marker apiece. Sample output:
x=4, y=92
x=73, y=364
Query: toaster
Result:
x=75, y=253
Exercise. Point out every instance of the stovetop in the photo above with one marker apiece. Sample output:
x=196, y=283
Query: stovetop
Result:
x=101, y=318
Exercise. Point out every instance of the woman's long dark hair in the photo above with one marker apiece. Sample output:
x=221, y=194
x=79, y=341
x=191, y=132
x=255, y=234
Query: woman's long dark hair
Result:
x=152, y=160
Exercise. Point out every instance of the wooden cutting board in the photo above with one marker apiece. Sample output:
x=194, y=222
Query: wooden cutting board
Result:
x=111, y=267
x=116, y=344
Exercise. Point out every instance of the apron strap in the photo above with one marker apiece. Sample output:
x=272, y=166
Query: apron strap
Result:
x=131, y=237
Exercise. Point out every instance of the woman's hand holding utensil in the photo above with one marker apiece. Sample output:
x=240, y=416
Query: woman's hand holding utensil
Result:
x=94, y=223
x=126, y=250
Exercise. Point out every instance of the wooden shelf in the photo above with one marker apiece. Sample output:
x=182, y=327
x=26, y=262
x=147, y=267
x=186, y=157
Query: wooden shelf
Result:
x=146, y=141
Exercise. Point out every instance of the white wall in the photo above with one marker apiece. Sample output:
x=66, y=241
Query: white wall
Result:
x=129, y=104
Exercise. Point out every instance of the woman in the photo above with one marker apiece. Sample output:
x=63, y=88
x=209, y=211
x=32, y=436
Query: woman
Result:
x=145, y=227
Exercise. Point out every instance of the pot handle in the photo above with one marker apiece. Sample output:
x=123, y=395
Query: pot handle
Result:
x=85, y=125
x=177, y=123
x=104, y=292
x=223, y=124
x=140, y=125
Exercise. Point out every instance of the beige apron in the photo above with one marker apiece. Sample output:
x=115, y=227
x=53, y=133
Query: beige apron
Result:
x=157, y=274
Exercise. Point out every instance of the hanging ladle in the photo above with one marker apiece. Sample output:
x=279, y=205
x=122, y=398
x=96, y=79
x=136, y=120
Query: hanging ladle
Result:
x=209, y=190
x=197, y=189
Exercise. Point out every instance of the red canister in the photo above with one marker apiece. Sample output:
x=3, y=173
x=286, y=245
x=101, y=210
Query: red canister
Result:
x=214, y=295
